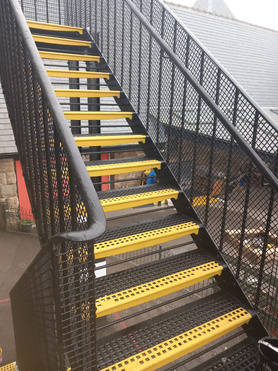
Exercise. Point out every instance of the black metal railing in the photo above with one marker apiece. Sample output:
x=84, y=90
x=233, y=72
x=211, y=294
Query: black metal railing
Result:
x=53, y=302
x=218, y=142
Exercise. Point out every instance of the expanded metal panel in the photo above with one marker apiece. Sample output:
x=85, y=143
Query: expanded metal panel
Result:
x=202, y=154
x=53, y=302
x=243, y=221
x=33, y=299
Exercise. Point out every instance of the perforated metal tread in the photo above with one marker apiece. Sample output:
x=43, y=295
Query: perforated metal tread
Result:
x=84, y=93
x=164, y=335
x=53, y=27
x=61, y=41
x=108, y=140
x=69, y=56
x=135, y=236
x=121, y=166
x=136, y=276
x=77, y=74
x=144, y=226
x=97, y=115
x=135, y=196
x=9, y=367
x=240, y=357
x=104, y=195
x=160, y=279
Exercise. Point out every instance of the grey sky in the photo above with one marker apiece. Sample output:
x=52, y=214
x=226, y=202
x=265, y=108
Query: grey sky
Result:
x=262, y=13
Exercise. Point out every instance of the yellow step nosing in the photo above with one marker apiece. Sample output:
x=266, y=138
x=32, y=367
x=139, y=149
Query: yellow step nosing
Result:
x=9, y=367
x=155, y=289
x=78, y=74
x=97, y=115
x=108, y=140
x=69, y=56
x=61, y=41
x=54, y=27
x=184, y=343
x=122, y=168
x=120, y=203
x=82, y=93
x=145, y=239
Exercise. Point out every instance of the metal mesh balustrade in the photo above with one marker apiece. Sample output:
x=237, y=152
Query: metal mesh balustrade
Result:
x=206, y=159
x=53, y=302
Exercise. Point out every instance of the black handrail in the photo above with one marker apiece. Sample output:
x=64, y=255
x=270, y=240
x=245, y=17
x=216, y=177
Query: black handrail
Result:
x=94, y=209
x=217, y=63
x=271, y=178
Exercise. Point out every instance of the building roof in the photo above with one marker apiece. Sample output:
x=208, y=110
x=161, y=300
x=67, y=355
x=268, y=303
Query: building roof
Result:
x=217, y=7
x=248, y=52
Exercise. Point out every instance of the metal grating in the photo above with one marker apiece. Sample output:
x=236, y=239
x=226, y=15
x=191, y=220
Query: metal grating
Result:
x=241, y=357
x=142, y=227
x=144, y=273
x=136, y=339
x=132, y=191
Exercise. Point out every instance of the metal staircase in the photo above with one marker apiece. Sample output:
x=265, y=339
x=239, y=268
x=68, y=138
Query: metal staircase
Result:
x=183, y=303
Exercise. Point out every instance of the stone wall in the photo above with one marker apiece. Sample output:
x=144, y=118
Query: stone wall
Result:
x=8, y=195
x=118, y=178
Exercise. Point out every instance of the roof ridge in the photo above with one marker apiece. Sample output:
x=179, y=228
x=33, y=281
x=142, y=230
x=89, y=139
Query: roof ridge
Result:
x=218, y=7
x=218, y=15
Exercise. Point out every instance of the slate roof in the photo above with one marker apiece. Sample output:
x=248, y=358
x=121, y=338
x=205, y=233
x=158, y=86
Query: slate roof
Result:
x=248, y=52
x=217, y=7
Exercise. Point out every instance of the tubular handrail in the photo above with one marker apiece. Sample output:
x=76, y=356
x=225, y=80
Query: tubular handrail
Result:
x=270, y=177
x=94, y=210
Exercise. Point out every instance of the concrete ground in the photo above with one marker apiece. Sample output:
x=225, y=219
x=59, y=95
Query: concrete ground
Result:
x=17, y=250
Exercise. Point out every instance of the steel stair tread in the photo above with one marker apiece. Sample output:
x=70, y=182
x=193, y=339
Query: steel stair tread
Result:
x=84, y=93
x=123, y=280
x=107, y=140
x=150, y=232
x=53, y=27
x=97, y=115
x=69, y=56
x=136, y=196
x=138, y=285
x=61, y=41
x=242, y=356
x=9, y=367
x=162, y=339
x=79, y=74
x=121, y=166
